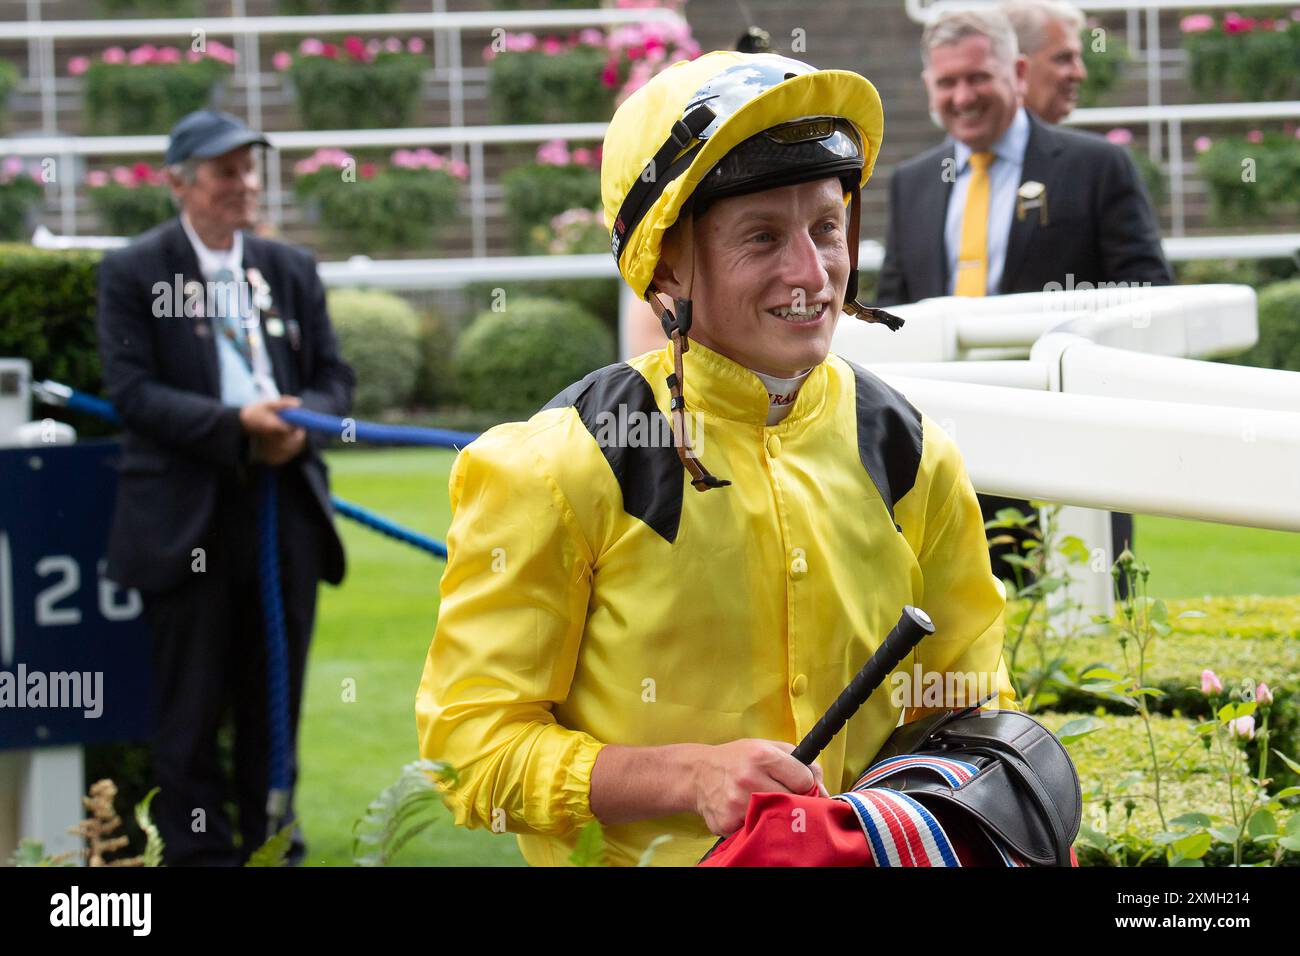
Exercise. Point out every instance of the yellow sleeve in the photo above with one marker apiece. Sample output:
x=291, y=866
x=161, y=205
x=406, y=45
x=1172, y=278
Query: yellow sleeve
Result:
x=961, y=595
x=512, y=614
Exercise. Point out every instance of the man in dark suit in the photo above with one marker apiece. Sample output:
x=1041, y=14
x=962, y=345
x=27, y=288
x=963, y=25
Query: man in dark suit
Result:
x=1008, y=203
x=205, y=332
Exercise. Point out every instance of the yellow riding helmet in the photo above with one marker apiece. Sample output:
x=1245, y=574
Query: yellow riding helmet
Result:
x=671, y=133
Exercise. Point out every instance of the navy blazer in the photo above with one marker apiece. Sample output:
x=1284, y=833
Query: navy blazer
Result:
x=1100, y=224
x=161, y=372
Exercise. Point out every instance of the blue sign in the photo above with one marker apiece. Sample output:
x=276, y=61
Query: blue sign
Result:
x=75, y=662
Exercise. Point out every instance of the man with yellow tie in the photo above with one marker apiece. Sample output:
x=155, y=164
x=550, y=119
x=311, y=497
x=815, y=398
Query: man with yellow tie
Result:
x=1008, y=203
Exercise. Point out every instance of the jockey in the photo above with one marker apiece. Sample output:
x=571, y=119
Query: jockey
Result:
x=628, y=636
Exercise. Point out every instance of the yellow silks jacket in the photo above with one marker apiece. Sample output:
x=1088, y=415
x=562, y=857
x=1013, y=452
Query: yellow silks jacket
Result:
x=592, y=597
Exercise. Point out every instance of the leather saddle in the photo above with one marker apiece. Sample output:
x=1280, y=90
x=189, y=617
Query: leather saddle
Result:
x=1002, y=769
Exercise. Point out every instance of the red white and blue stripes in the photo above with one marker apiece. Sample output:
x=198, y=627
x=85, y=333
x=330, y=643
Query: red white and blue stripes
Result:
x=901, y=831
x=955, y=773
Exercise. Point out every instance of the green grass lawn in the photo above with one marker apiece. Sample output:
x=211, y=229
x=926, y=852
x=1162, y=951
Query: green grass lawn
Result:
x=375, y=631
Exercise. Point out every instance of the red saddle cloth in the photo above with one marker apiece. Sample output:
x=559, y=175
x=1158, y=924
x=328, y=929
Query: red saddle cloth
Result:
x=868, y=827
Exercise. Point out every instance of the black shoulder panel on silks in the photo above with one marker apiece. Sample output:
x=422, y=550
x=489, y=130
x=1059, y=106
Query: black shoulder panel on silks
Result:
x=649, y=476
x=889, y=436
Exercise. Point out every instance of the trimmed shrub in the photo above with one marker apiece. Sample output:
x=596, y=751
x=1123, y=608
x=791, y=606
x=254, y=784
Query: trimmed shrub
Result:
x=8, y=82
x=516, y=360
x=379, y=336
x=435, y=383
x=1279, y=329
x=19, y=197
x=126, y=99
x=533, y=86
x=342, y=93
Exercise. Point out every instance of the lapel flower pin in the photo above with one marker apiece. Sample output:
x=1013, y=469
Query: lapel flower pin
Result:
x=1031, y=195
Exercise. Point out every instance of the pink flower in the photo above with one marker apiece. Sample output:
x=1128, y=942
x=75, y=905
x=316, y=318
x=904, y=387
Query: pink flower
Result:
x=1243, y=727
x=96, y=178
x=415, y=45
x=282, y=60
x=167, y=54
x=489, y=54
x=458, y=169
x=1202, y=143
x=1210, y=683
x=78, y=65
x=329, y=50
x=554, y=152
x=13, y=165
x=193, y=56
x=1120, y=136
x=1235, y=23
x=311, y=47
x=1196, y=23
x=355, y=48
x=1263, y=696
x=141, y=173
x=305, y=167
x=403, y=158
x=374, y=47
x=591, y=37
x=582, y=156
x=552, y=45
x=122, y=176
x=393, y=45
x=367, y=170
x=114, y=54
x=140, y=55
x=609, y=75
x=1255, y=136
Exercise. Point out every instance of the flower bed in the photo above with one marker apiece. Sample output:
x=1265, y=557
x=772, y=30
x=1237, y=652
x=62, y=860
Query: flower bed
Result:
x=369, y=84
x=146, y=90
x=560, y=179
x=1253, y=57
x=20, y=191
x=364, y=207
x=1254, y=178
x=129, y=200
x=580, y=77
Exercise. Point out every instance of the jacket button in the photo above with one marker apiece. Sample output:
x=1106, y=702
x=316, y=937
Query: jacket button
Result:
x=798, y=685
x=773, y=446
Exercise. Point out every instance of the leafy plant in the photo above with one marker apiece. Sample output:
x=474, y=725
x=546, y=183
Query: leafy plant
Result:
x=9, y=77
x=551, y=81
x=148, y=89
x=1252, y=178
x=378, y=335
x=537, y=192
x=20, y=193
x=401, y=812
x=590, y=850
x=274, y=851
x=1251, y=57
x=1104, y=66
x=130, y=201
x=367, y=84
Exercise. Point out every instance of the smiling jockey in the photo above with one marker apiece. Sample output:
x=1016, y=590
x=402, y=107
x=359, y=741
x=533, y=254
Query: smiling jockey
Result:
x=630, y=636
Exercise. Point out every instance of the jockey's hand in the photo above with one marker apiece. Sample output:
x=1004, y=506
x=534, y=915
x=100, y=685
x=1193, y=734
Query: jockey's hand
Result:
x=727, y=774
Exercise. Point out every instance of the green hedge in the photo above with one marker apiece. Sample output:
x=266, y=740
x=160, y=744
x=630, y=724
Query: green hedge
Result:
x=379, y=336
x=47, y=313
x=17, y=200
x=345, y=94
x=394, y=210
x=435, y=382
x=131, y=210
x=1279, y=329
x=8, y=82
x=1114, y=766
x=1252, y=181
x=515, y=360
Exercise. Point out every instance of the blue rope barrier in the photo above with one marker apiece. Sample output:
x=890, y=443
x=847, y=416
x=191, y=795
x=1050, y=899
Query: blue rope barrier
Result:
x=277, y=650
x=373, y=433
x=384, y=526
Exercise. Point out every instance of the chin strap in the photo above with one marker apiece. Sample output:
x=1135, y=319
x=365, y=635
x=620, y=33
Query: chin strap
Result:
x=677, y=326
x=851, y=304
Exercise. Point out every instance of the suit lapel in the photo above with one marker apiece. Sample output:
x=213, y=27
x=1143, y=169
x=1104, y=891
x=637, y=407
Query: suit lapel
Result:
x=201, y=328
x=1042, y=146
x=281, y=365
x=931, y=216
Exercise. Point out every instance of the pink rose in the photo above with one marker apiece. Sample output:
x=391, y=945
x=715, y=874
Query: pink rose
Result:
x=96, y=178
x=282, y=60
x=1120, y=136
x=1210, y=683
x=1243, y=727
x=122, y=176
x=554, y=152
x=591, y=37
x=392, y=45
x=114, y=54
x=1196, y=23
x=1255, y=136
x=582, y=156
x=167, y=54
x=311, y=47
x=367, y=170
x=13, y=165
x=415, y=45
x=1202, y=143
x=305, y=167
x=329, y=50
x=403, y=158
x=1263, y=696
x=552, y=45
x=355, y=48
x=458, y=169
x=78, y=65
x=609, y=75
x=140, y=55
x=1236, y=23
x=527, y=41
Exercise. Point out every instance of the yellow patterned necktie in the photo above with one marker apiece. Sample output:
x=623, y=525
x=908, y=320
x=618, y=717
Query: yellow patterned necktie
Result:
x=973, y=256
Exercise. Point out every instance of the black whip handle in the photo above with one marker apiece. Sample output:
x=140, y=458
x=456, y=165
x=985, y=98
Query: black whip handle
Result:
x=913, y=625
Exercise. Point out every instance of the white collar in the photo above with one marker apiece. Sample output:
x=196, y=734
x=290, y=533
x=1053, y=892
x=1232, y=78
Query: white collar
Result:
x=213, y=260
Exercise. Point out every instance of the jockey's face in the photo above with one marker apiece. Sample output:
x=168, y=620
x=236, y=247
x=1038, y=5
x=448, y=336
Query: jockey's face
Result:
x=771, y=270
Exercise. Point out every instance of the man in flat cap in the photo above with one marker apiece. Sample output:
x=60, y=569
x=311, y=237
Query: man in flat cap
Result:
x=206, y=332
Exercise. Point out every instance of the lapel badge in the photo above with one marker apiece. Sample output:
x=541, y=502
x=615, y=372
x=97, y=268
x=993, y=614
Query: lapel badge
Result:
x=275, y=326
x=295, y=333
x=1031, y=195
x=261, y=290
